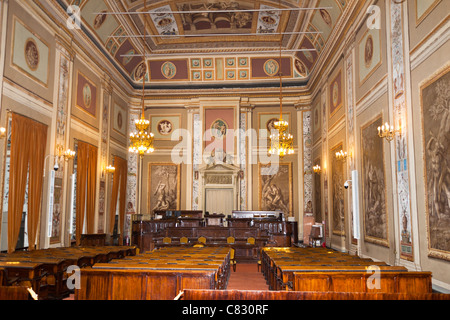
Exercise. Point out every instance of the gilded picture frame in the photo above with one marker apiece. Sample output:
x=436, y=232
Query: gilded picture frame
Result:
x=435, y=114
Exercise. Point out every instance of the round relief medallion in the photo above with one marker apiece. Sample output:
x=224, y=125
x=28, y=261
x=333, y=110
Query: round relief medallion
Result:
x=31, y=54
x=87, y=96
x=270, y=125
x=168, y=70
x=368, y=51
x=219, y=128
x=164, y=127
x=335, y=94
x=99, y=19
x=119, y=120
x=271, y=67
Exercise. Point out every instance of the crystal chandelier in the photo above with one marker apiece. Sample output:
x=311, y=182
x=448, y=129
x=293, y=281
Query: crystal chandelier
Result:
x=281, y=142
x=142, y=141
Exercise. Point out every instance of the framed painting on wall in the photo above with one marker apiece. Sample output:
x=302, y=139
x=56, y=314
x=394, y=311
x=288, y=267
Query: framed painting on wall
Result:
x=435, y=109
x=275, y=189
x=163, y=191
x=373, y=180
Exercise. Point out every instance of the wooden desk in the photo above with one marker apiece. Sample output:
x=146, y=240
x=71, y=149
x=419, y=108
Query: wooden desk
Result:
x=20, y=271
x=95, y=239
x=158, y=275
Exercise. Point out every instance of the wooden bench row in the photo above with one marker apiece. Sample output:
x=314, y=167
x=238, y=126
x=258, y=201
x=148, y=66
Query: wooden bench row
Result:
x=157, y=275
x=45, y=271
x=190, y=294
x=322, y=270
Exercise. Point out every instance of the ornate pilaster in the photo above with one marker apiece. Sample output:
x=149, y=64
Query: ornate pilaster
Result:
x=349, y=66
x=104, y=152
x=246, y=153
x=304, y=159
x=192, y=150
x=399, y=108
x=132, y=162
x=61, y=118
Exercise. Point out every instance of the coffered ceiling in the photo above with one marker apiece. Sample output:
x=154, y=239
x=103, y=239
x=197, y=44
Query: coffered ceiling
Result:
x=208, y=43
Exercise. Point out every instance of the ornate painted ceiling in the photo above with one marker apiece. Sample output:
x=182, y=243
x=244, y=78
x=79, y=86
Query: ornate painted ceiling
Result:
x=211, y=42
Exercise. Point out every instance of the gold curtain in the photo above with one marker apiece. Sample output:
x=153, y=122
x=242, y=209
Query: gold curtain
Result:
x=91, y=184
x=28, y=144
x=82, y=162
x=86, y=181
x=36, y=168
x=119, y=183
x=17, y=177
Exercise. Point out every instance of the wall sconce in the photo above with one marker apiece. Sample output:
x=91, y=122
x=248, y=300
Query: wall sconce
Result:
x=69, y=155
x=386, y=131
x=110, y=169
x=2, y=132
x=341, y=155
x=317, y=169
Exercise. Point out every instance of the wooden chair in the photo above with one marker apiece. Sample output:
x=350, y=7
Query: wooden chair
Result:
x=232, y=259
x=231, y=240
x=251, y=240
x=198, y=245
x=184, y=240
x=167, y=240
x=202, y=240
x=314, y=236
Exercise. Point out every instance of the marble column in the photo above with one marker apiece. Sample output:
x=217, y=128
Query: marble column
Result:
x=304, y=159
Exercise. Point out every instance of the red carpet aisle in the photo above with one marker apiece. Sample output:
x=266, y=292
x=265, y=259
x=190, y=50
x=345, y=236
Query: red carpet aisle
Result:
x=247, y=277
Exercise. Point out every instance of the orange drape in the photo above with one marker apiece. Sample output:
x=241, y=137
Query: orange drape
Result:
x=86, y=181
x=119, y=183
x=36, y=168
x=28, y=143
x=17, y=178
x=82, y=161
x=91, y=183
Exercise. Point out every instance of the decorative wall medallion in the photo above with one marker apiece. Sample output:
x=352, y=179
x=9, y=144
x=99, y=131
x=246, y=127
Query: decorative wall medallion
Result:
x=335, y=94
x=271, y=67
x=300, y=68
x=87, y=96
x=140, y=71
x=368, y=52
x=168, y=69
x=99, y=19
x=219, y=128
x=164, y=127
x=31, y=54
